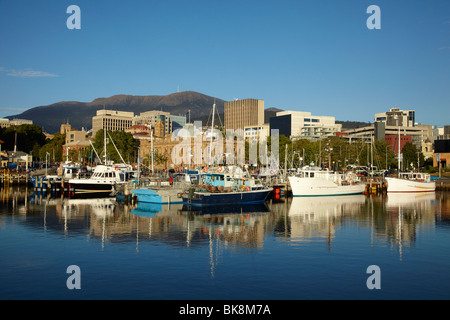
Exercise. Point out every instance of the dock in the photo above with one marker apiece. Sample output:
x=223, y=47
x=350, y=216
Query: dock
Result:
x=374, y=185
x=443, y=184
x=7, y=178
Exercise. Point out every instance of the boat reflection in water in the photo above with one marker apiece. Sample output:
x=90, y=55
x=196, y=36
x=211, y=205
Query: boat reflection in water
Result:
x=410, y=200
x=315, y=218
x=229, y=209
x=408, y=214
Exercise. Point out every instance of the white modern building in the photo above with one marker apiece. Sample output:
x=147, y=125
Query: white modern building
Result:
x=303, y=125
x=260, y=132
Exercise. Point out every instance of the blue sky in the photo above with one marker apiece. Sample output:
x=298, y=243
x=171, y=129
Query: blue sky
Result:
x=305, y=55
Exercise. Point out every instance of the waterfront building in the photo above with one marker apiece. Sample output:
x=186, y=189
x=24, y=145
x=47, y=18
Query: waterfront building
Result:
x=441, y=153
x=303, y=125
x=241, y=113
x=397, y=117
x=111, y=120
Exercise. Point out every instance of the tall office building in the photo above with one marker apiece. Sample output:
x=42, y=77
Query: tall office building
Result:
x=111, y=120
x=242, y=113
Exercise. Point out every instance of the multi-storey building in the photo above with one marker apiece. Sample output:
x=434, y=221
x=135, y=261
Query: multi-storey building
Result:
x=5, y=123
x=241, y=113
x=259, y=132
x=397, y=117
x=303, y=125
x=111, y=120
x=152, y=117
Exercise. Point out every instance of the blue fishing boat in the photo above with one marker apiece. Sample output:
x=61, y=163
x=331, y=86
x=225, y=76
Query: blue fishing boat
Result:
x=167, y=195
x=146, y=209
x=222, y=189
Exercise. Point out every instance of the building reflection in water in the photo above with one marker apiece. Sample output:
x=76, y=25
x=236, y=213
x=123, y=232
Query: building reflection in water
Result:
x=394, y=220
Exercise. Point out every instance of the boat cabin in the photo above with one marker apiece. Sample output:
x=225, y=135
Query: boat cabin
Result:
x=112, y=173
x=416, y=176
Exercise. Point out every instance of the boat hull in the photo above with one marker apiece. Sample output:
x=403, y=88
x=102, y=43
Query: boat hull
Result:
x=86, y=187
x=305, y=187
x=226, y=198
x=148, y=195
x=408, y=186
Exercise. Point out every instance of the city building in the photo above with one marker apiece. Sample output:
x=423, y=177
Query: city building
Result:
x=303, y=125
x=152, y=117
x=416, y=135
x=178, y=122
x=441, y=153
x=76, y=142
x=392, y=140
x=111, y=120
x=242, y=113
x=5, y=123
x=145, y=131
x=257, y=132
x=65, y=127
x=397, y=117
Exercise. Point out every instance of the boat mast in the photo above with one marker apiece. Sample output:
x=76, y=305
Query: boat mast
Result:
x=212, y=128
x=152, y=151
x=104, y=143
x=123, y=161
x=399, y=155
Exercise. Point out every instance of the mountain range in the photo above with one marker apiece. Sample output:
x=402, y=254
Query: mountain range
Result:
x=79, y=114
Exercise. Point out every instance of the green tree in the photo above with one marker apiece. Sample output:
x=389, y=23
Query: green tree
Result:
x=25, y=137
x=410, y=154
x=124, y=142
x=53, y=147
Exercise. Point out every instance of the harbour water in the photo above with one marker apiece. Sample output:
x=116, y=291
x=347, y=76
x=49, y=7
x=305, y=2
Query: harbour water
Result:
x=302, y=248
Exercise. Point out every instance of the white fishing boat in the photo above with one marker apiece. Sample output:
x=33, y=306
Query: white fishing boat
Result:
x=410, y=182
x=104, y=180
x=312, y=181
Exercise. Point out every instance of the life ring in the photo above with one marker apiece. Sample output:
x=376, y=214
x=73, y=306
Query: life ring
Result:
x=116, y=168
x=205, y=169
x=176, y=169
x=181, y=170
x=219, y=169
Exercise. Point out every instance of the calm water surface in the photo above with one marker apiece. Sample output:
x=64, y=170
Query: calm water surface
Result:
x=303, y=248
